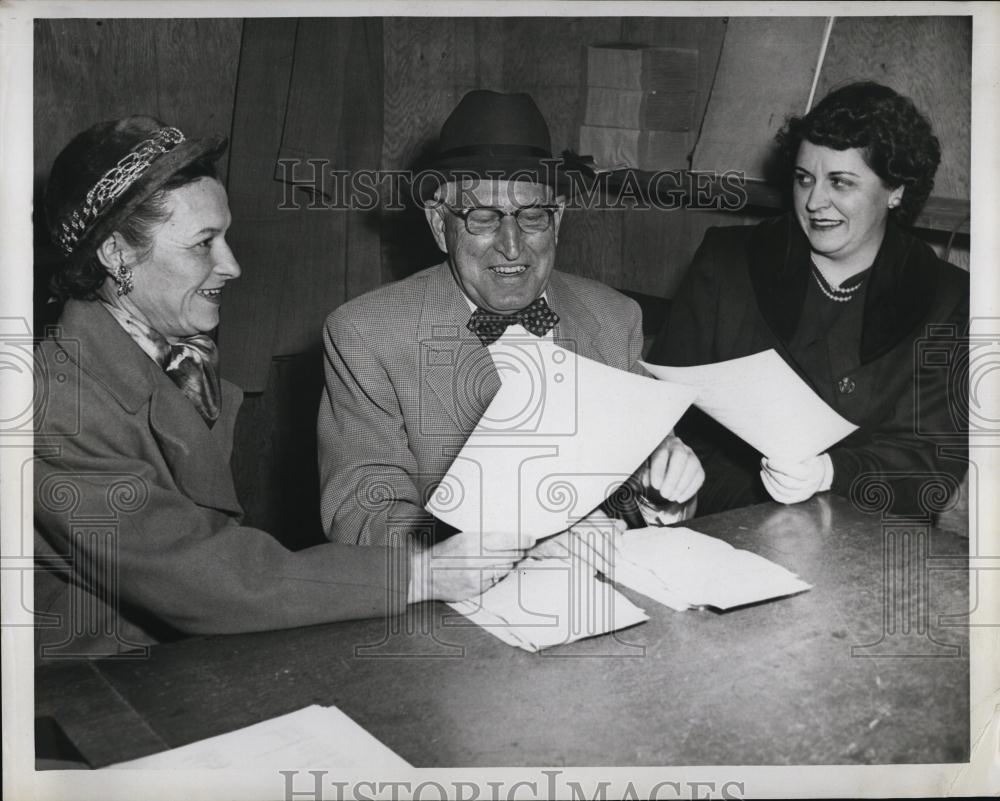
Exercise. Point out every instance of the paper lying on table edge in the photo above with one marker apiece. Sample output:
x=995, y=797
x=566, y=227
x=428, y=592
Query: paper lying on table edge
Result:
x=560, y=436
x=762, y=400
x=312, y=737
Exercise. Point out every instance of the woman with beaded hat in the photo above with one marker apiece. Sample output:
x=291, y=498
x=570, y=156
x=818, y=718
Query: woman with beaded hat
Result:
x=135, y=427
x=845, y=293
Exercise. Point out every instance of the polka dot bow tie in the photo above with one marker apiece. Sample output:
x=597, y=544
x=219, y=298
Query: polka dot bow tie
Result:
x=536, y=317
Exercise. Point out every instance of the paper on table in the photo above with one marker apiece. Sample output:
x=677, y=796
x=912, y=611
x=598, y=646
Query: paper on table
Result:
x=559, y=437
x=312, y=737
x=680, y=566
x=764, y=402
x=546, y=602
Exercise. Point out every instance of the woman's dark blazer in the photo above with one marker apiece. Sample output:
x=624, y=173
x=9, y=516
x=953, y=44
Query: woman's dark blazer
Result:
x=905, y=386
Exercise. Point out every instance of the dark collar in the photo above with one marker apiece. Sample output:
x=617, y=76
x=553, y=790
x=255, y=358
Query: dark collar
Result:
x=901, y=286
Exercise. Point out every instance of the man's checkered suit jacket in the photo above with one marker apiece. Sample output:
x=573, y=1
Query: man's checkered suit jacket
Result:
x=406, y=383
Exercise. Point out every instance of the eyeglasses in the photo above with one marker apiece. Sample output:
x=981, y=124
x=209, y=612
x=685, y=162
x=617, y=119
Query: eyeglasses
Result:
x=481, y=220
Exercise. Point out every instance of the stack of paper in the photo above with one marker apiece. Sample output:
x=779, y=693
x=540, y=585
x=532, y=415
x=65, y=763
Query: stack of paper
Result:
x=682, y=568
x=546, y=602
x=640, y=107
x=312, y=737
x=554, y=596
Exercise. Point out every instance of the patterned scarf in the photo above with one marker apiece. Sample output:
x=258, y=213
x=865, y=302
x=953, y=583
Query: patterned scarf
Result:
x=536, y=317
x=192, y=363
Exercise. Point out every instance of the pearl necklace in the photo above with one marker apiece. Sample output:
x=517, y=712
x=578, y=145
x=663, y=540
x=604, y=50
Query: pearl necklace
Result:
x=841, y=294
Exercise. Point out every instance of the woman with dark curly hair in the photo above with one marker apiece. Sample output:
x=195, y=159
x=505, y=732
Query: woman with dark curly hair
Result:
x=136, y=426
x=846, y=295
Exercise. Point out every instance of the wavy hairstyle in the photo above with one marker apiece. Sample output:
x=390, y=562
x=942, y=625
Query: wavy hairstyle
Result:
x=83, y=278
x=894, y=138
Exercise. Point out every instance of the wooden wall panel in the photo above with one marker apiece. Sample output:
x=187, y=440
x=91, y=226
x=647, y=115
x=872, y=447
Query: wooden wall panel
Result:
x=657, y=245
x=926, y=58
x=429, y=63
x=275, y=452
x=301, y=259
x=260, y=232
x=182, y=71
x=549, y=63
x=705, y=33
x=765, y=74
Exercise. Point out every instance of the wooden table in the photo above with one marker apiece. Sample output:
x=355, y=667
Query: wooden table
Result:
x=870, y=666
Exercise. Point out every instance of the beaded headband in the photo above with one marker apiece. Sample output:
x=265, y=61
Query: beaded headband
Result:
x=112, y=184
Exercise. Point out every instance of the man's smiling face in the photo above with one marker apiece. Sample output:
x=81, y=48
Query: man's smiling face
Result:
x=507, y=269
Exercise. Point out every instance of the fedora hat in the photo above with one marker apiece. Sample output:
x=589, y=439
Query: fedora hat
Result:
x=492, y=135
x=104, y=173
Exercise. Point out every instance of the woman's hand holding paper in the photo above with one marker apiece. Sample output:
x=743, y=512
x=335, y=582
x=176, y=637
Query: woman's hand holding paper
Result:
x=793, y=482
x=462, y=566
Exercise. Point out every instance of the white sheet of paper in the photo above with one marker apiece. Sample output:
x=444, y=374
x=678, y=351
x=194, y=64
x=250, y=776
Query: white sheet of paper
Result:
x=680, y=565
x=562, y=433
x=546, y=602
x=312, y=737
x=764, y=402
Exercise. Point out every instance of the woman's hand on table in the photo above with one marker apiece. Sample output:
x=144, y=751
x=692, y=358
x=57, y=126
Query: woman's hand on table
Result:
x=672, y=472
x=591, y=540
x=462, y=566
x=794, y=482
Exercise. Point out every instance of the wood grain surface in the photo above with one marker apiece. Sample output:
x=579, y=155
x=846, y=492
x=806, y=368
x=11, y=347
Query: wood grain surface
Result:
x=301, y=256
x=929, y=59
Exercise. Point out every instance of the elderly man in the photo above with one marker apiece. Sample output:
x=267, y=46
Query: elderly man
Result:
x=408, y=372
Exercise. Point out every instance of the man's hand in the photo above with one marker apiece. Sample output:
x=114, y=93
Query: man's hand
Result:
x=672, y=472
x=462, y=566
x=793, y=482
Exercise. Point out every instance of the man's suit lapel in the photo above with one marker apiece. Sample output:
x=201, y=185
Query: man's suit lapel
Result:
x=578, y=329
x=454, y=365
x=197, y=463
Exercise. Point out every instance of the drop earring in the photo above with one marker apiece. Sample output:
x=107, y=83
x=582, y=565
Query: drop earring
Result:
x=123, y=277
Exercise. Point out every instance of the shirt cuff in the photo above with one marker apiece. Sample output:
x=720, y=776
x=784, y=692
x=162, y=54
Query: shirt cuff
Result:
x=827, y=480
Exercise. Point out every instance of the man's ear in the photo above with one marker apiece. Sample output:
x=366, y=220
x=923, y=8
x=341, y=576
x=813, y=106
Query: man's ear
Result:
x=435, y=219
